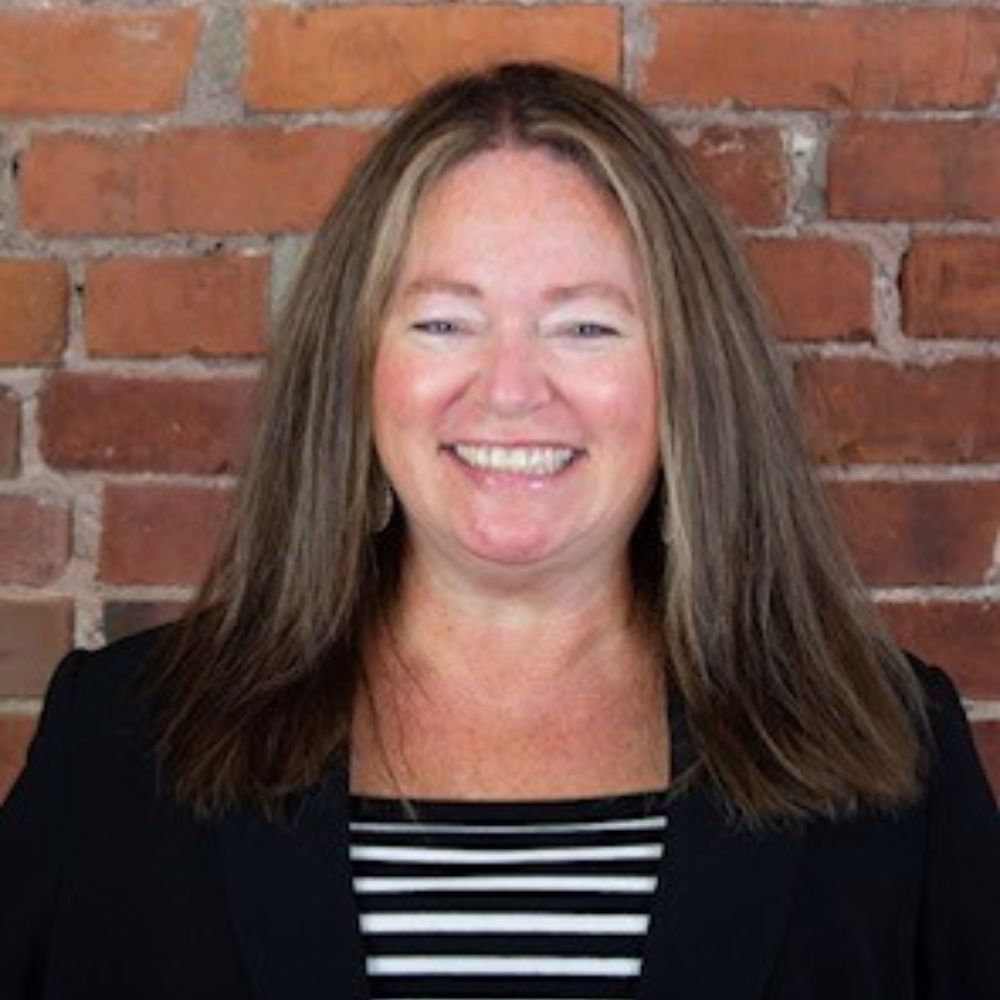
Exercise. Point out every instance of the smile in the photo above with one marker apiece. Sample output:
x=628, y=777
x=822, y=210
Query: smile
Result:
x=519, y=460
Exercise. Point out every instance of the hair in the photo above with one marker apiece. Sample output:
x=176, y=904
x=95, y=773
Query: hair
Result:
x=797, y=702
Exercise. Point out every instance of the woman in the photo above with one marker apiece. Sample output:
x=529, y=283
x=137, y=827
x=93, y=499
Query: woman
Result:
x=530, y=664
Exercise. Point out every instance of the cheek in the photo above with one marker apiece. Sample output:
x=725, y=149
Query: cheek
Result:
x=625, y=403
x=390, y=390
x=410, y=392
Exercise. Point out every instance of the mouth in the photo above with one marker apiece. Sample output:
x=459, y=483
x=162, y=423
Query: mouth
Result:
x=517, y=460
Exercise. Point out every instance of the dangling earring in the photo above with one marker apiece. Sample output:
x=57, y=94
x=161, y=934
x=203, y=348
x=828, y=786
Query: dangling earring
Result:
x=383, y=503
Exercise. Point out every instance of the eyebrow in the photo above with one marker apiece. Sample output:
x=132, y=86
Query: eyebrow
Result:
x=555, y=294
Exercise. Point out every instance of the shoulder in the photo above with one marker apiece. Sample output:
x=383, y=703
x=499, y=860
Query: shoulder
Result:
x=104, y=676
x=939, y=690
x=93, y=707
x=947, y=720
x=956, y=780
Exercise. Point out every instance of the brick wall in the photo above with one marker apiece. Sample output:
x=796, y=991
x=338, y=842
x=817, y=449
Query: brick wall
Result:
x=161, y=166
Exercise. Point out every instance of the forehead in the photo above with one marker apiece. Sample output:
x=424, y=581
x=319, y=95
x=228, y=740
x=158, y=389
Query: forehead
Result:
x=520, y=212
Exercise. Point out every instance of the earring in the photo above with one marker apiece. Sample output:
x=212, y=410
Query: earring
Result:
x=383, y=504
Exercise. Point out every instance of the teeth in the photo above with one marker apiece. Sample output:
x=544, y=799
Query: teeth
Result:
x=522, y=461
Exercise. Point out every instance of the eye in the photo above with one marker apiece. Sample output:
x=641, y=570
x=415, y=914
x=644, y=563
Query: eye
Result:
x=592, y=330
x=440, y=327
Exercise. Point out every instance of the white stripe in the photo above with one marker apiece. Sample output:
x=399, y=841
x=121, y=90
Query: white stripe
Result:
x=509, y=883
x=472, y=856
x=513, y=923
x=488, y=965
x=651, y=823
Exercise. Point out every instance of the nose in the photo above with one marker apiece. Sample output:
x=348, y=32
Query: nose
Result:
x=513, y=378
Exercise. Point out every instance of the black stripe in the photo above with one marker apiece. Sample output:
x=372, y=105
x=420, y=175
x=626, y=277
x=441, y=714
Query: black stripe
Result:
x=632, y=806
x=505, y=902
x=643, y=867
x=404, y=837
x=507, y=945
x=495, y=987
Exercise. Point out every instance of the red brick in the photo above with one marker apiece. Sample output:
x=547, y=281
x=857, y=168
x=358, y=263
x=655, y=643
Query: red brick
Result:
x=16, y=730
x=122, y=618
x=872, y=411
x=34, y=540
x=73, y=62
x=987, y=737
x=210, y=180
x=915, y=170
x=745, y=168
x=962, y=637
x=809, y=57
x=951, y=287
x=819, y=289
x=142, y=307
x=159, y=534
x=10, y=433
x=920, y=532
x=34, y=302
x=34, y=636
x=144, y=425
x=379, y=56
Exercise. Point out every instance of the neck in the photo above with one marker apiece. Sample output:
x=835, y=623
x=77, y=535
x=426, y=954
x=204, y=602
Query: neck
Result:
x=469, y=688
x=514, y=647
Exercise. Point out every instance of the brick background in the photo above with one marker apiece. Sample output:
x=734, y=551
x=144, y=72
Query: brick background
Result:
x=157, y=307
x=150, y=209
x=350, y=57
x=134, y=61
x=34, y=311
x=10, y=433
x=36, y=633
x=159, y=534
x=188, y=180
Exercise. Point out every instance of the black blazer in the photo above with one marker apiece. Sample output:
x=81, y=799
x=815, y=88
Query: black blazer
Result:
x=106, y=892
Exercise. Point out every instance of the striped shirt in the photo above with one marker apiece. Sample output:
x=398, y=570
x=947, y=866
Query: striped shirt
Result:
x=506, y=899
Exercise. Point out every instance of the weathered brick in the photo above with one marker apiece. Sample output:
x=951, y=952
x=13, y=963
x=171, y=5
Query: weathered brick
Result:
x=208, y=180
x=364, y=56
x=938, y=532
x=811, y=57
x=819, y=289
x=951, y=287
x=144, y=425
x=71, y=62
x=872, y=411
x=159, y=534
x=986, y=733
x=155, y=307
x=16, y=731
x=10, y=434
x=34, y=303
x=36, y=635
x=915, y=170
x=745, y=168
x=34, y=540
x=122, y=618
x=962, y=637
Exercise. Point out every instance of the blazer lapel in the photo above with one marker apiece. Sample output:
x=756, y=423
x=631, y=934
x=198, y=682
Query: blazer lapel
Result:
x=721, y=904
x=291, y=899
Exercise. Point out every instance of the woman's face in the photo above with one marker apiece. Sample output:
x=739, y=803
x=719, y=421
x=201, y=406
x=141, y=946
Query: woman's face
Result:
x=515, y=398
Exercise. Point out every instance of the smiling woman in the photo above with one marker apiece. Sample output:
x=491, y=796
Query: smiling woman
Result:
x=514, y=394
x=531, y=664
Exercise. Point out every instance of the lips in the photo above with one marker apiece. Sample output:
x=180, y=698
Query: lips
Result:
x=518, y=460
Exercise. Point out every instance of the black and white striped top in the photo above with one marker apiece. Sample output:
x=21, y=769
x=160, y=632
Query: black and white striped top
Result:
x=506, y=899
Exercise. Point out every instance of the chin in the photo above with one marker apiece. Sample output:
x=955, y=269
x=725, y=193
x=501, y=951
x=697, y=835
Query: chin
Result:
x=510, y=549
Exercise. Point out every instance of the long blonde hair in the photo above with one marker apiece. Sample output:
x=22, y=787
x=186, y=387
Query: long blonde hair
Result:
x=798, y=702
